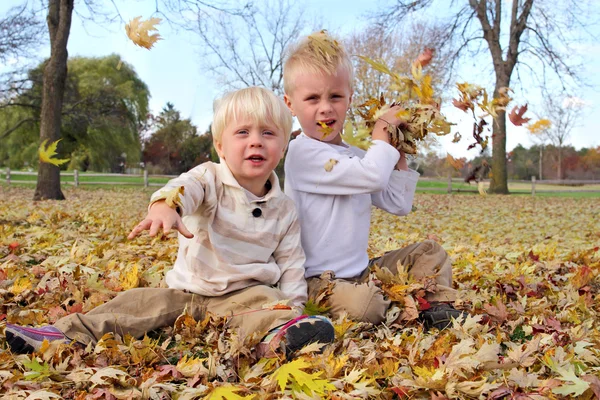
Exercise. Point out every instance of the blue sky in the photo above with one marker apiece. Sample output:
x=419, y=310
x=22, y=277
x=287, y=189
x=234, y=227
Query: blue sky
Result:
x=173, y=72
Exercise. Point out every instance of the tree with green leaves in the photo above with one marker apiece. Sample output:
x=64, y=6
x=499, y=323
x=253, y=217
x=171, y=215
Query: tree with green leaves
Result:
x=103, y=112
x=174, y=145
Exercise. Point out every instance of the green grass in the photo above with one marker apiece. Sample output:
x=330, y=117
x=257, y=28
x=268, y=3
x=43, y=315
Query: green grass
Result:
x=433, y=186
x=87, y=180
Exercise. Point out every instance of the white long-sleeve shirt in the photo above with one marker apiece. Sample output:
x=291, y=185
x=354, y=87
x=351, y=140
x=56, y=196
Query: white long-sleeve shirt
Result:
x=233, y=248
x=334, y=206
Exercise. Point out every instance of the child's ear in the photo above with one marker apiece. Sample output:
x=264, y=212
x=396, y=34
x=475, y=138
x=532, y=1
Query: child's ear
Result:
x=288, y=103
x=218, y=148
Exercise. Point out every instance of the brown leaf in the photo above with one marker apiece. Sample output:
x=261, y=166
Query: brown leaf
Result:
x=516, y=115
x=425, y=57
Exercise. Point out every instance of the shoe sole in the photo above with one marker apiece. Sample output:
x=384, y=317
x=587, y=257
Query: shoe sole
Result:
x=440, y=320
x=319, y=332
x=17, y=344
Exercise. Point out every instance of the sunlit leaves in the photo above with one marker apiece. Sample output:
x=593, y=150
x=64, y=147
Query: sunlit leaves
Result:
x=419, y=105
x=528, y=275
x=139, y=31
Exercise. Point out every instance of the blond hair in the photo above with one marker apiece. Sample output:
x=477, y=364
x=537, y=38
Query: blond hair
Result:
x=257, y=103
x=319, y=53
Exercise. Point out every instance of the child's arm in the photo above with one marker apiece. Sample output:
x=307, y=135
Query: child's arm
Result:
x=189, y=189
x=315, y=167
x=290, y=258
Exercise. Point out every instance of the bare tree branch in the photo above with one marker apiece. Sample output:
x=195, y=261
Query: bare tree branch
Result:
x=247, y=49
x=20, y=32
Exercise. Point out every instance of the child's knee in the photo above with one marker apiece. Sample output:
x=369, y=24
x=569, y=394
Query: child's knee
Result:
x=362, y=302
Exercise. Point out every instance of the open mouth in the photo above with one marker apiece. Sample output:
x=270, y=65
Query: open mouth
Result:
x=329, y=123
x=256, y=158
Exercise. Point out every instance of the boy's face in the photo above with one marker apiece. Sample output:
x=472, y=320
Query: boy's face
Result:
x=320, y=98
x=252, y=151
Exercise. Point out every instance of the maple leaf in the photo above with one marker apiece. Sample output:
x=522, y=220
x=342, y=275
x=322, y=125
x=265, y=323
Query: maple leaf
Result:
x=577, y=385
x=516, y=115
x=454, y=163
x=325, y=129
x=130, y=278
x=227, y=392
x=139, y=31
x=498, y=311
x=425, y=57
x=300, y=381
x=539, y=126
x=46, y=153
x=38, y=371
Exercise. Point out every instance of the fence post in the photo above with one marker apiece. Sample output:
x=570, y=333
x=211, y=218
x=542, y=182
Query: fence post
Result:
x=145, y=178
x=76, y=177
x=449, y=183
x=7, y=176
x=533, y=185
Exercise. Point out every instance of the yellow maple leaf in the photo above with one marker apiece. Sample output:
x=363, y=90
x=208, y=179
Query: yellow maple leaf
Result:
x=302, y=381
x=325, y=129
x=227, y=392
x=539, y=126
x=21, y=285
x=46, y=153
x=131, y=278
x=139, y=31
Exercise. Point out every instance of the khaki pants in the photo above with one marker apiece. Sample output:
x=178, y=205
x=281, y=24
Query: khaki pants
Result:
x=364, y=301
x=140, y=310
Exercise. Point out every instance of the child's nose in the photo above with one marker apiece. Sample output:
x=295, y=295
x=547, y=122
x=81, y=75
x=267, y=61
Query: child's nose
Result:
x=256, y=140
x=326, y=107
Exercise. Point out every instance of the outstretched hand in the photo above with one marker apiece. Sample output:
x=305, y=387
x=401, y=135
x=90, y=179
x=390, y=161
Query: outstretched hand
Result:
x=161, y=216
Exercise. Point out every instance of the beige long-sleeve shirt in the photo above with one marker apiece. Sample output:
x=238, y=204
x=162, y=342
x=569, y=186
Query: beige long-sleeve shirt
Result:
x=234, y=246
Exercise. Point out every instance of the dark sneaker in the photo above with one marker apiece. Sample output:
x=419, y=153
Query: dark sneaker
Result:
x=24, y=340
x=439, y=316
x=296, y=334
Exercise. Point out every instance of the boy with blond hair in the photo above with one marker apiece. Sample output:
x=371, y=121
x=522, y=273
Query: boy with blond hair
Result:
x=239, y=238
x=334, y=203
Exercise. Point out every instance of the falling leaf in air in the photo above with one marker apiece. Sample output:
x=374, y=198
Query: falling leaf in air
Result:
x=516, y=115
x=46, y=154
x=425, y=57
x=139, y=31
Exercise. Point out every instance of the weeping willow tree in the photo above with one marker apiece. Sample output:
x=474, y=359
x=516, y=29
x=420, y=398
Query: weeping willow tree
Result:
x=105, y=106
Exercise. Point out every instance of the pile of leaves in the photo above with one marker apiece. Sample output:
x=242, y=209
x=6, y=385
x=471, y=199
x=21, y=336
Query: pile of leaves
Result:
x=526, y=270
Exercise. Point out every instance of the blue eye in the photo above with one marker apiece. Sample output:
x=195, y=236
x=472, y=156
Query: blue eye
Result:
x=242, y=132
x=269, y=133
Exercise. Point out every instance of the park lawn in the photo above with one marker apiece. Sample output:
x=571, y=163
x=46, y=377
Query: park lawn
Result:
x=531, y=265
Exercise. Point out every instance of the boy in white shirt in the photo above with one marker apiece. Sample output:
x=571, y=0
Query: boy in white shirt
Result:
x=334, y=203
x=239, y=238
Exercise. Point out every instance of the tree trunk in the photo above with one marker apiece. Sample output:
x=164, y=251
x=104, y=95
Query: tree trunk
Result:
x=498, y=182
x=560, y=174
x=55, y=76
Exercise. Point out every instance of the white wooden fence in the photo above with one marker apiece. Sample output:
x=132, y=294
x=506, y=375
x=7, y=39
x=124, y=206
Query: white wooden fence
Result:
x=455, y=185
x=143, y=179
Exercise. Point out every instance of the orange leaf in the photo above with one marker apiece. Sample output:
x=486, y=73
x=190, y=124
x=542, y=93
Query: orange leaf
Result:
x=516, y=115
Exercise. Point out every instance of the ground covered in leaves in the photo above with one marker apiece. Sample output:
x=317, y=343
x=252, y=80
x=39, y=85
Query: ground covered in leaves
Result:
x=527, y=271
